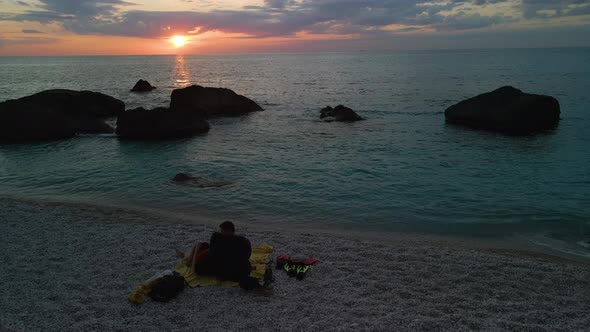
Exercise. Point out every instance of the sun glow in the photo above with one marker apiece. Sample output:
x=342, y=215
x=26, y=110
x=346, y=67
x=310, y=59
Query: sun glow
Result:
x=178, y=41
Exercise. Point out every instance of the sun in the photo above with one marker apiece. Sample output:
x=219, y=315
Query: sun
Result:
x=178, y=41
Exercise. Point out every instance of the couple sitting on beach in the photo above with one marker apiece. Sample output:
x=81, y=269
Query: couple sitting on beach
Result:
x=226, y=256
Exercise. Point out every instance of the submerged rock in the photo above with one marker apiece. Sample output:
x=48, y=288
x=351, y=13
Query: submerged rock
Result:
x=507, y=110
x=57, y=114
x=211, y=102
x=142, y=86
x=197, y=181
x=160, y=123
x=339, y=113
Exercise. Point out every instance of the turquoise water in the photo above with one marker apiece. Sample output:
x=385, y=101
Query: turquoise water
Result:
x=401, y=169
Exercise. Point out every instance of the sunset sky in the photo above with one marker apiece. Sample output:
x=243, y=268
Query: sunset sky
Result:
x=70, y=27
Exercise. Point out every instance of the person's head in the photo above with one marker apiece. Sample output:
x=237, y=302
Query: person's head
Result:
x=227, y=228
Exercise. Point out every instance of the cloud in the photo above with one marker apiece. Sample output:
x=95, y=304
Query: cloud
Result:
x=552, y=8
x=47, y=11
x=464, y=21
x=82, y=7
x=27, y=41
x=288, y=17
x=280, y=18
x=578, y=11
x=31, y=31
x=278, y=4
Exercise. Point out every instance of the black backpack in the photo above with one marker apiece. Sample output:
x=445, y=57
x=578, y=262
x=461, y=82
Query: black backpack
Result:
x=249, y=283
x=167, y=288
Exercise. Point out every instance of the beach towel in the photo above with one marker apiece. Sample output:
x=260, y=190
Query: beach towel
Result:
x=259, y=261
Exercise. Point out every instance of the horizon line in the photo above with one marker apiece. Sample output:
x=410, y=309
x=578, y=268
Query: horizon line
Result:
x=303, y=52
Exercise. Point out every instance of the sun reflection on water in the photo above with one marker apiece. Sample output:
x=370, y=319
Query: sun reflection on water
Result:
x=181, y=75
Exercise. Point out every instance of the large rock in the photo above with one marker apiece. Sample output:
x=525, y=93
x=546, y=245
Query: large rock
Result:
x=142, y=86
x=339, y=113
x=90, y=125
x=160, y=123
x=19, y=125
x=507, y=110
x=212, y=102
x=57, y=114
x=78, y=103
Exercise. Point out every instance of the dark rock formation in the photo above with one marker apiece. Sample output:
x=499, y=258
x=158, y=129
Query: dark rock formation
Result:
x=339, y=113
x=199, y=182
x=142, y=86
x=212, y=102
x=57, y=114
x=18, y=125
x=78, y=103
x=160, y=123
x=507, y=110
x=90, y=125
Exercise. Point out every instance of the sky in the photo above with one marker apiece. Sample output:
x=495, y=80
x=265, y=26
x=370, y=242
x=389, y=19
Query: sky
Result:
x=101, y=27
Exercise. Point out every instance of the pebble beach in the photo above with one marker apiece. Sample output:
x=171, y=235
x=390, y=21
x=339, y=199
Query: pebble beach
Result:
x=71, y=267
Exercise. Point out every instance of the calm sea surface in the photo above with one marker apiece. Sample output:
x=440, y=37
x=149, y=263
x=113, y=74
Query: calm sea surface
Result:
x=401, y=169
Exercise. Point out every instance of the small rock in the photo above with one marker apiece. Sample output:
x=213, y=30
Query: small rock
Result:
x=339, y=113
x=142, y=86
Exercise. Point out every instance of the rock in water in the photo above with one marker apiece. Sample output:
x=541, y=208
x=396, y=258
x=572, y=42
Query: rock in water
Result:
x=197, y=181
x=339, y=113
x=160, y=123
x=91, y=125
x=507, y=110
x=57, y=114
x=182, y=177
x=78, y=103
x=142, y=86
x=20, y=125
x=212, y=102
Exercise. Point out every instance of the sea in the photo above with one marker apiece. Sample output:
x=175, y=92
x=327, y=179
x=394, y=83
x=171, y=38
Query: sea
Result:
x=402, y=169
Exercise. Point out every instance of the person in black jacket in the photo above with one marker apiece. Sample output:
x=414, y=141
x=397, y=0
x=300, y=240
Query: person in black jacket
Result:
x=228, y=257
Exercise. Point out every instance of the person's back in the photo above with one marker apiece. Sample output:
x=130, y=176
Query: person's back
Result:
x=229, y=247
x=229, y=255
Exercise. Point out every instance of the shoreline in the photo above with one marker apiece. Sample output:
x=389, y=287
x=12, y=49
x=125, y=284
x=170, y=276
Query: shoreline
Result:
x=353, y=232
x=70, y=268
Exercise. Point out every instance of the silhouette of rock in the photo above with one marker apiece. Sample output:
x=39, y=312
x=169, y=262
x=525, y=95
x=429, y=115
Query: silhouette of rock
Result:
x=18, y=125
x=339, y=113
x=91, y=125
x=212, y=102
x=197, y=181
x=57, y=114
x=507, y=110
x=142, y=86
x=160, y=123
